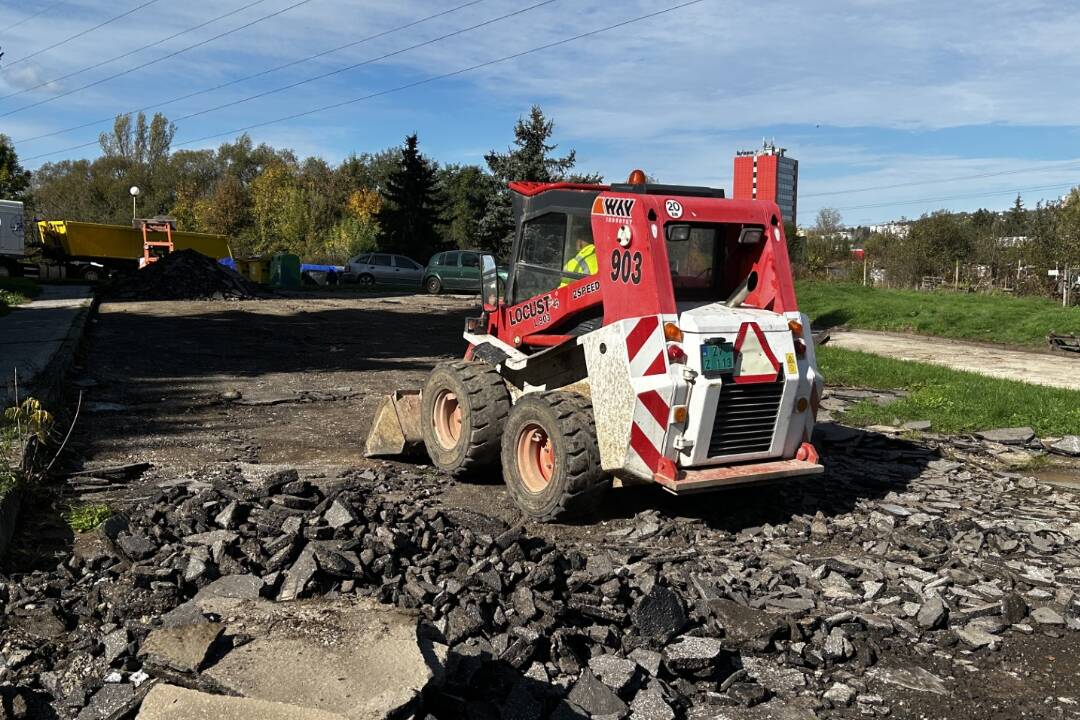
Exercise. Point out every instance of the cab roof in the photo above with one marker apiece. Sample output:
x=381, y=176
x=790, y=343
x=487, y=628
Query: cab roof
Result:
x=532, y=189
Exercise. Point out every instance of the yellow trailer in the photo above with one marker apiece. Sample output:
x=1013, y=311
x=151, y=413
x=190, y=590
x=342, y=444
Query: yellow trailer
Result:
x=93, y=251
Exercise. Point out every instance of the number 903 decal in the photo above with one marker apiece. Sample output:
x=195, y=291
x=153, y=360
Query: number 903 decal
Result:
x=626, y=267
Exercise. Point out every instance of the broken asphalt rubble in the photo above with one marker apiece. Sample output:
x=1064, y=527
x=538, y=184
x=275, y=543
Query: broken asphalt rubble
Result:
x=354, y=597
x=181, y=275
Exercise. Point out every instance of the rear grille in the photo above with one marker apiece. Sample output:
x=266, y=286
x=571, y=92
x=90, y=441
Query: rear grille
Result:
x=745, y=418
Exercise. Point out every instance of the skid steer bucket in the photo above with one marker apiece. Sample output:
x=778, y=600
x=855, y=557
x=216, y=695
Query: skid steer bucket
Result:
x=396, y=428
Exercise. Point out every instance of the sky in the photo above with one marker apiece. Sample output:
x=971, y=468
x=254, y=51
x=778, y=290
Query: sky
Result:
x=892, y=108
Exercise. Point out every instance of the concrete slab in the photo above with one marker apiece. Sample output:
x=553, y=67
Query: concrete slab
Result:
x=1029, y=367
x=32, y=334
x=352, y=657
x=169, y=702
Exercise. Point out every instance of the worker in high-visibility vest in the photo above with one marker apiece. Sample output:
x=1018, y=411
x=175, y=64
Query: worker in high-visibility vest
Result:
x=585, y=261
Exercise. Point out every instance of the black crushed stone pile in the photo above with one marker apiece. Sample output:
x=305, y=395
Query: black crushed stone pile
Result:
x=182, y=275
x=664, y=619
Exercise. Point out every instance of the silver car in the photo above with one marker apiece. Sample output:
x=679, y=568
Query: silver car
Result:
x=384, y=269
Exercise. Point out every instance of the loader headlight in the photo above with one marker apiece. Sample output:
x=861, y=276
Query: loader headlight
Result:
x=678, y=233
x=801, y=404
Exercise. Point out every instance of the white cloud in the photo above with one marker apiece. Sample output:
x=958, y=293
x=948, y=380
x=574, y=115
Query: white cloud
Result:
x=676, y=94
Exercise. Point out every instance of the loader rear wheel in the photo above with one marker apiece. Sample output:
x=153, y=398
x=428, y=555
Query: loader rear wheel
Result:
x=550, y=458
x=465, y=405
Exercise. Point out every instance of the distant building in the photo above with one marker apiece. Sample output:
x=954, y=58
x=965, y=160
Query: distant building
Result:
x=900, y=230
x=768, y=174
x=1013, y=240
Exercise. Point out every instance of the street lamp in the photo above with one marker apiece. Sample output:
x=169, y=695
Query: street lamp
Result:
x=134, y=194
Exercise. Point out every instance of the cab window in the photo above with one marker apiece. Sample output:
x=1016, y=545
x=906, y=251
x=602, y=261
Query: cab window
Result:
x=548, y=245
x=540, y=259
x=693, y=261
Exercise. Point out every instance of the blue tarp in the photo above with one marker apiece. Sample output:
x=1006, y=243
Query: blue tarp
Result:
x=308, y=267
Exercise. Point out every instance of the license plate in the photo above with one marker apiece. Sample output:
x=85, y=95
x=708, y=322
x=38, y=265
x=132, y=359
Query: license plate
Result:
x=717, y=357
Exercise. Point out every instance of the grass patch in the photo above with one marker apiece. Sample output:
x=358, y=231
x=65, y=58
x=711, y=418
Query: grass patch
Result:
x=952, y=400
x=1018, y=321
x=16, y=291
x=84, y=518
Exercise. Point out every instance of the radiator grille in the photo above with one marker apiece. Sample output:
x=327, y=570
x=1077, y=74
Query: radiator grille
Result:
x=745, y=418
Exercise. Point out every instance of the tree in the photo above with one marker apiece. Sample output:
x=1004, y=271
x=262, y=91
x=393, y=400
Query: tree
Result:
x=1016, y=221
x=828, y=222
x=411, y=206
x=14, y=179
x=529, y=160
x=280, y=210
x=467, y=190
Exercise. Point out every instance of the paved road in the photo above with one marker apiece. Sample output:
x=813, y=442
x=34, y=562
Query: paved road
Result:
x=1038, y=368
x=31, y=334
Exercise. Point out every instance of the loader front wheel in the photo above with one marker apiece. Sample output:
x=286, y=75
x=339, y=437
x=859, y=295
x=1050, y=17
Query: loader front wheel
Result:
x=465, y=405
x=550, y=459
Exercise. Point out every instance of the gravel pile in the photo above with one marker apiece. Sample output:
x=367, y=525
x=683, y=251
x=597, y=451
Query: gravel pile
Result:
x=665, y=617
x=182, y=275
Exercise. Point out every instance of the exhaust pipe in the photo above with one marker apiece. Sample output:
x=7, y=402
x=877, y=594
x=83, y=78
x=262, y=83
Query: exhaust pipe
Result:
x=743, y=290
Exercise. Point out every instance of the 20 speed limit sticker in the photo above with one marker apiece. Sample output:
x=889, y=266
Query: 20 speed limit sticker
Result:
x=674, y=209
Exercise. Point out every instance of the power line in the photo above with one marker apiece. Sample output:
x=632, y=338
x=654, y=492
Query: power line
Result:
x=444, y=76
x=956, y=178
x=132, y=52
x=82, y=33
x=261, y=73
x=417, y=83
x=331, y=73
x=156, y=60
x=965, y=196
x=28, y=18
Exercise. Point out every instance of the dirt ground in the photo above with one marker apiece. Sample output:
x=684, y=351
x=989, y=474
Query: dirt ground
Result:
x=1040, y=368
x=153, y=376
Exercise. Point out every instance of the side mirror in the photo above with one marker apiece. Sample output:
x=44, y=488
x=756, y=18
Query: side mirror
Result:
x=490, y=283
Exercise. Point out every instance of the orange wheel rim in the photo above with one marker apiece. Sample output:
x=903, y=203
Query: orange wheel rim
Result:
x=446, y=419
x=535, y=457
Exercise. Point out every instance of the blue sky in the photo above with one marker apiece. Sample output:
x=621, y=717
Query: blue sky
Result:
x=863, y=93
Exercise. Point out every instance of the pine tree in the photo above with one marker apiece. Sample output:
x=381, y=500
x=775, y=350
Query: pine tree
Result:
x=529, y=161
x=1017, y=220
x=412, y=206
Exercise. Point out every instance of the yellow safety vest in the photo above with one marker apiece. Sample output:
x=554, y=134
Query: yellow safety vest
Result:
x=584, y=263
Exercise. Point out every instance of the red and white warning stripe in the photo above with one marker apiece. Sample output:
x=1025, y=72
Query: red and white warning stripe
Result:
x=645, y=348
x=646, y=352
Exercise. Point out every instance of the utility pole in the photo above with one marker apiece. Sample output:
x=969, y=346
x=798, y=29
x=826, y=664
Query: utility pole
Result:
x=956, y=278
x=864, y=268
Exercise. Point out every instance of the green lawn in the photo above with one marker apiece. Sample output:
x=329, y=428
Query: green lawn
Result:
x=954, y=401
x=16, y=291
x=989, y=318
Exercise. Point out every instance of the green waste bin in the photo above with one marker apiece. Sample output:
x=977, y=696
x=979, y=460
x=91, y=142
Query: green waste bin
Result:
x=285, y=270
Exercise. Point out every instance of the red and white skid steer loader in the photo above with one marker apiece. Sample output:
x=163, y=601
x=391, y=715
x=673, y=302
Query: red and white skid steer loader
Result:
x=645, y=333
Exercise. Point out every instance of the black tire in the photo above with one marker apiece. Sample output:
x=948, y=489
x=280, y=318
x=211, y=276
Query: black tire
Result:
x=6, y=271
x=484, y=403
x=433, y=285
x=577, y=483
x=92, y=274
x=366, y=279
